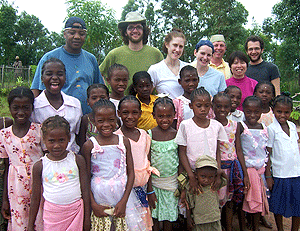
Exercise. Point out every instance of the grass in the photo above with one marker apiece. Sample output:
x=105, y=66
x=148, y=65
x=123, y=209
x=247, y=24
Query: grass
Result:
x=4, y=107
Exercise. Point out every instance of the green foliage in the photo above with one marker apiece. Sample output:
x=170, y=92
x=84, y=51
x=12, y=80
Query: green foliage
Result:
x=32, y=70
x=290, y=84
x=8, y=17
x=32, y=37
x=25, y=36
x=130, y=6
x=284, y=28
x=4, y=105
x=196, y=18
x=103, y=34
x=295, y=115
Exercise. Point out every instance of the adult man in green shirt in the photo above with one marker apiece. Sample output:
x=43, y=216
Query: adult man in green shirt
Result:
x=135, y=54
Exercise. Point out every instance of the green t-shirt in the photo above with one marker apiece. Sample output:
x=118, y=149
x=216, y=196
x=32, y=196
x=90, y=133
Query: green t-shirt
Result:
x=205, y=206
x=134, y=60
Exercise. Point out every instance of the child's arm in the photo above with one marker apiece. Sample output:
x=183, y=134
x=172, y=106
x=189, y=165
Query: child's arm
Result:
x=81, y=138
x=268, y=173
x=36, y=193
x=150, y=191
x=85, y=189
x=151, y=194
x=218, y=155
x=240, y=156
x=86, y=152
x=5, y=210
x=185, y=163
x=217, y=183
x=121, y=205
x=190, y=221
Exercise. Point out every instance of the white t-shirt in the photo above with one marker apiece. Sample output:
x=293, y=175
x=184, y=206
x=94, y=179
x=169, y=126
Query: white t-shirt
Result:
x=164, y=80
x=61, y=182
x=200, y=141
x=70, y=110
x=285, y=155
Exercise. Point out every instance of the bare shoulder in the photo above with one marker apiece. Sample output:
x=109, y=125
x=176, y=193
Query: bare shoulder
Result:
x=126, y=142
x=80, y=161
x=173, y=132
x=88, y=145
x=85, y=119
x=38, y=167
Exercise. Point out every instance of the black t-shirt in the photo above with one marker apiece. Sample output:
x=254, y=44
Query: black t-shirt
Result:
x=264, y=71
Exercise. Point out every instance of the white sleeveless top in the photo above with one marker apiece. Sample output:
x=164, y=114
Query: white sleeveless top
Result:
x=61, y=180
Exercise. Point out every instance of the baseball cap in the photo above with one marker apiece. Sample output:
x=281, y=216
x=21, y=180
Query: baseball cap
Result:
x=205, y=160
x=70, y=23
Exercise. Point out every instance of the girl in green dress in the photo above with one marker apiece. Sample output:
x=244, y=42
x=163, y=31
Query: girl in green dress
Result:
x=164, y=157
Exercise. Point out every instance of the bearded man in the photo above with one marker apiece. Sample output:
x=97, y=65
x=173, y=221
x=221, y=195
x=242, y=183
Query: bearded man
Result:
x=135, y=54
x=258, y=69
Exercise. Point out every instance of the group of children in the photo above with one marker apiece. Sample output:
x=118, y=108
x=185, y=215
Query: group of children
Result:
x=120, y=166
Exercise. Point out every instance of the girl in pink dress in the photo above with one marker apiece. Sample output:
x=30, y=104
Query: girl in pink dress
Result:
x=62, y=177
x=199, y=136
x=109, y=159
x=129, y=110
x=20, y=145
x=232, y=162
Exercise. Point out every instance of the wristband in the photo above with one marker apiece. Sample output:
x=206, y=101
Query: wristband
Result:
x=148, y=193
x=268, y=176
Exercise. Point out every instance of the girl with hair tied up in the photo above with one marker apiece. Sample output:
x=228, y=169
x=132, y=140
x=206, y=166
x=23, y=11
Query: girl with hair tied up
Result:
x=165, y=74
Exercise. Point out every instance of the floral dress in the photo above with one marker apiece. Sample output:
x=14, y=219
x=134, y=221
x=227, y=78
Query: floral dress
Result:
x=232, y=167
x=267, y=118
x=22, y=153
x=254, y=142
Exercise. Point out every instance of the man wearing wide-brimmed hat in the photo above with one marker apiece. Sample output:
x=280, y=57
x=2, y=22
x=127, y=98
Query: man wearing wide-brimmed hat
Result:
x=135, y=54
x=82, y=69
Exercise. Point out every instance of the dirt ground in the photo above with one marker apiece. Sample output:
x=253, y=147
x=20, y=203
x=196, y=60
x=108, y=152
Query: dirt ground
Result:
x=287, y=223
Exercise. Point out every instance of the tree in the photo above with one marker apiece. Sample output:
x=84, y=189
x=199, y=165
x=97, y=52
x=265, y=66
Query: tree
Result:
x=131, y=5
x=33, y=39
x=197, y=18
x=23, y=35
x=284, y=28
x=101, y=24
x=8, y=18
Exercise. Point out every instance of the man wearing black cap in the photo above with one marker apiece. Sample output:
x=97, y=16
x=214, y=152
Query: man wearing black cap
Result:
x=135, y=54
x=81, y=66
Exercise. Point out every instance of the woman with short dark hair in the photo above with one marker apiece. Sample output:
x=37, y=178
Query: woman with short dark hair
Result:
x=238, y=63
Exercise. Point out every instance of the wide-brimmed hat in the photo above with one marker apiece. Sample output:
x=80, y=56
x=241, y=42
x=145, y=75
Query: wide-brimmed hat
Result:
x=132, y=17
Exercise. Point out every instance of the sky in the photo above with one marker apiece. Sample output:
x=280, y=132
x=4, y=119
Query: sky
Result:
x=53, y=12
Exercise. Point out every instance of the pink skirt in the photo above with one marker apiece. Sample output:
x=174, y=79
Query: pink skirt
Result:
x=255, y=201
x=63, y=217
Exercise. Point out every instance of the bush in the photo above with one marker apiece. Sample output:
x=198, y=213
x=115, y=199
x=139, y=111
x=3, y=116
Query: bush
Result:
x=32, y=71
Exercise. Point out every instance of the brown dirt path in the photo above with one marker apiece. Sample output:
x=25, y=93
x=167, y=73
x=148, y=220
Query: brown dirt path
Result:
x=287, y=223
